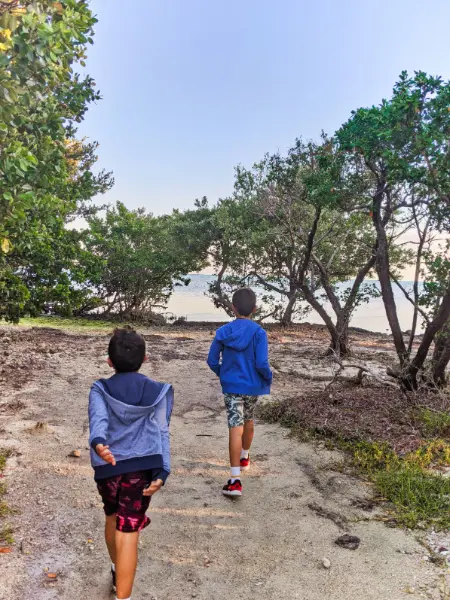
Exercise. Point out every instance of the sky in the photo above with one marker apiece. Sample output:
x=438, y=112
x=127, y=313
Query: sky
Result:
x=191, y=88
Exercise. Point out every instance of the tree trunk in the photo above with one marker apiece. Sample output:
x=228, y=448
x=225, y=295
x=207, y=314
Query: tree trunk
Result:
x=434, y=327
x=339, y=337
x=441, y=358
x=383, y=271
x=340, y=344
x=219, y=298
x=289, y=310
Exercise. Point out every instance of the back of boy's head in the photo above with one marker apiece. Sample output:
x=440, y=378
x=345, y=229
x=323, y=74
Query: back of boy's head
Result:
x=244, y=301
x=126, y=350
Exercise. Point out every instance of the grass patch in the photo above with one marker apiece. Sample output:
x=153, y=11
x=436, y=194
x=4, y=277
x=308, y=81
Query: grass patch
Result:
x=4, y=509
x=6, y=536
x=5, y=453
x=419, y=495
x=70, y=324
x=420, y=498
x=435, y=423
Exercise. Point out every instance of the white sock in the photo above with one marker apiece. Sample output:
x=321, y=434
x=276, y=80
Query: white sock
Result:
x=113, y=567
x=244, y=453
x=235, y=473
x=125, y=598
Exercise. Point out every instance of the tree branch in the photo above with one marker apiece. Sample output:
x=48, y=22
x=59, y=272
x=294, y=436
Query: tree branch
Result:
x=408, y=297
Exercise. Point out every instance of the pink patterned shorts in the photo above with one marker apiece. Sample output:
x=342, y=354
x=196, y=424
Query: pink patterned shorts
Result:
x=122, y=495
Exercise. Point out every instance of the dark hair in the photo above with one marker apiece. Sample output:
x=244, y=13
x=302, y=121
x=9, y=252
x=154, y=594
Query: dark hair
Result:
x=126, y=350
x=244, y=301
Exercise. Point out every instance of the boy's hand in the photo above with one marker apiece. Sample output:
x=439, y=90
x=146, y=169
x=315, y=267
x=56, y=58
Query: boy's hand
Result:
x=105, y=453
x=154, y=487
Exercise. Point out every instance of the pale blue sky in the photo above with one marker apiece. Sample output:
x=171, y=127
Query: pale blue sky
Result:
x=193, y=87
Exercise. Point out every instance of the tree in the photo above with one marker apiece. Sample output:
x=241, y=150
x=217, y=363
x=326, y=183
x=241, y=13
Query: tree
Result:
x=404, y=144
x=46, y=175
x=305, y=239
x=138, y=260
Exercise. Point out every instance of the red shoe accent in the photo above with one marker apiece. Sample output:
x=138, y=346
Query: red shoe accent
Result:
x=232, y=489
x=245, y=464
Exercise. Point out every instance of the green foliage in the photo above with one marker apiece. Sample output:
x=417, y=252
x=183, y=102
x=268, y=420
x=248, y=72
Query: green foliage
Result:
x=138, y=259
x=45, y=174
x=435, y=274
x=78, y=324
x=6, y=536
x=419, y=497
x=5, y=453
x=407, y=136
x=434, y=423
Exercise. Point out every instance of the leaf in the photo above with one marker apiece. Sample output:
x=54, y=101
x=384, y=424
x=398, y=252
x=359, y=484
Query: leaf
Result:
x=5, y=245
x=4, y=550
x=52, y=575
x=7, y=95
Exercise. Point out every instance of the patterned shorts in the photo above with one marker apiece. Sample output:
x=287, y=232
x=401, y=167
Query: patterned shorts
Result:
x=122, y=495
x=240, y=408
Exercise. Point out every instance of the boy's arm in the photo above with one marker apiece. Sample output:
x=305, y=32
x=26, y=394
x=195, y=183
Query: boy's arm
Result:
x=163, y=422
x=98, y=418
x=214, y=357
x=262, y=356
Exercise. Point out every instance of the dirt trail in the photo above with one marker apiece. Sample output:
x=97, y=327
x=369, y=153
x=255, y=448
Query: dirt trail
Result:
x=268, y=545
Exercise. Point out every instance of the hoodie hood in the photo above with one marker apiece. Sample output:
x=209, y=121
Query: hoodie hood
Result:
x=238, y=334
x=132, y=396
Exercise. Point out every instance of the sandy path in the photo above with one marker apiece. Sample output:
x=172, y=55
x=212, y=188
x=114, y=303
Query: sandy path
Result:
x=268, y=545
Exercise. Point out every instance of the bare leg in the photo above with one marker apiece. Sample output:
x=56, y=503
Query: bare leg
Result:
x=126, y=562
x=236, y=445
x=249, y=432
x=110, y=537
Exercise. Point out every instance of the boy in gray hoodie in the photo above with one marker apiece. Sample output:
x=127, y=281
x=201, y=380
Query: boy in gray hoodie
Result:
x=129, y=416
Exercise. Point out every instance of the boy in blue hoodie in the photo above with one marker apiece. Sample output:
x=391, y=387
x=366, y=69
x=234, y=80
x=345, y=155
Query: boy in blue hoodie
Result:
x=129, y=416
x=239, y=356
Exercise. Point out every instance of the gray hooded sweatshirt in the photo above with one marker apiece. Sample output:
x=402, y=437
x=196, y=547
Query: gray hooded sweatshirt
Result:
x=131, y=414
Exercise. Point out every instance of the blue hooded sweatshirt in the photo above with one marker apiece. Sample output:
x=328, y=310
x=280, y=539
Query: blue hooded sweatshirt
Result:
x=239, y=355
x=131, y=414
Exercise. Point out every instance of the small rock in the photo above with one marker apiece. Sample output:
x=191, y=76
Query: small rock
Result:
x=351, y=542
x=326, y=563
x=75, y=454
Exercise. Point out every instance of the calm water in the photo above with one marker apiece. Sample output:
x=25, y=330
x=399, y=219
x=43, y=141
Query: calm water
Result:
x=192, y=303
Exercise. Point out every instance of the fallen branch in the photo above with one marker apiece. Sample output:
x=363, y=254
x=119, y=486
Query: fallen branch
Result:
x=331, y=379
x=361, y=370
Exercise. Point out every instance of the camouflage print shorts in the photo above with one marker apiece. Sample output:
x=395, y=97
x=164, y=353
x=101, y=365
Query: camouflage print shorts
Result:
x=240, y=408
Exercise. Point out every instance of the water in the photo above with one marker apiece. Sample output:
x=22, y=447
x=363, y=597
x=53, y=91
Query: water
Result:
x=192, y=303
